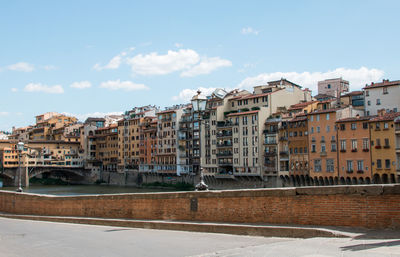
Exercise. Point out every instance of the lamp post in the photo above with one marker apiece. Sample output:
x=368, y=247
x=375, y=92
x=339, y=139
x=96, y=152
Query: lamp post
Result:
x=20, y=148
x=199, y=105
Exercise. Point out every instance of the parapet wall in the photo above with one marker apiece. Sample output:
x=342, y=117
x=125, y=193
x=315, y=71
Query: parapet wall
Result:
x=368, y=206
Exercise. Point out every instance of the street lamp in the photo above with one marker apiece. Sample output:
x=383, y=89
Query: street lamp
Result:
x=199, y=105
x=20, y=148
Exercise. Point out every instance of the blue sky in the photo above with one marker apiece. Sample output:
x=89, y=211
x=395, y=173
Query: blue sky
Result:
x=121, y=54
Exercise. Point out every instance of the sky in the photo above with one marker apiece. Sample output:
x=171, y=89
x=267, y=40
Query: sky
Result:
x=91, y=58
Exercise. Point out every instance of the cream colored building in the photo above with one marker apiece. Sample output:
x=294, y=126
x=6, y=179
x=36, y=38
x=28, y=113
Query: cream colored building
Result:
x=382, y=95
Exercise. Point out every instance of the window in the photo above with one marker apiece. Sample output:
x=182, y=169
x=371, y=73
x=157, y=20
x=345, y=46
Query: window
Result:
x=312, y=130
x=369, y=102
x=317, y=117
x=313, y=148
x=365, y=144
x=378, y=142
x=317, y=165
x=379, y=164
x=323, y=148
x=330, y=167
x=327, y=116
x=387, y=164
x=353, y=126
x=365, y=125
x=349, y=166
x=312, y=118
x=354, y=144
x=329, y=85
x=360, y=165
x=385, y=91
x=342, y=145
x=342, y=126
x=333, y=147
x=386, y=125
x=367, y=93
x=386, y=143
x=328, y=128
x=378, y=126
x=318, y=129
x=378, y=101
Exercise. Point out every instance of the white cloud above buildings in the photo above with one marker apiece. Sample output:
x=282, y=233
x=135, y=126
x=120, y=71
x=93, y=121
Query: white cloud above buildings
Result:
x=249, y=30
x=83, y=116
x=81, y=84
x=206, y=66
x=186, y=61
x=21, y=66
x=122, y=85
x=38, y=87
x=357, y=77
x=4, y=113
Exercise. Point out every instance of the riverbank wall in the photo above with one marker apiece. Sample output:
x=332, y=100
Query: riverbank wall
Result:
x=367, y=206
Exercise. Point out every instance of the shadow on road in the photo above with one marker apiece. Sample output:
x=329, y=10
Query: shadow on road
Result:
x=359, y=247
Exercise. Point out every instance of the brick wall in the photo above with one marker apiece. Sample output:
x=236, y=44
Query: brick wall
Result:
x=369, y=206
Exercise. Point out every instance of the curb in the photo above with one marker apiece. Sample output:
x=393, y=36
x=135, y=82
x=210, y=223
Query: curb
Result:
x=235, y=229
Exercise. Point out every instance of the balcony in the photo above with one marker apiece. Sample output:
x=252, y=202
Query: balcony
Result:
x=184, y=128
x=222, y=124
x=270, y=131
x=270, y=141
x=283, y=138
x=224, y=154
x=225, y=163
x=349, y=171
x=224, y=134
x=272, y=153
x=284, y=153
x=365, y=150
x=224, y=144
x=323, y=154
x=360, y=171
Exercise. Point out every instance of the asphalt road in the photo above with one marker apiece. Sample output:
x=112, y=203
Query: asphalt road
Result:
x=42, y=239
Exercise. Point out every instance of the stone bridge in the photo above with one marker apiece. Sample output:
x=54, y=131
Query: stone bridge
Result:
x=10, y=176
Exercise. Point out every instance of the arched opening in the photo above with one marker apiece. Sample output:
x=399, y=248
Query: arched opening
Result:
x=342, y=181
x=308, y=181
x=316, y=181
x=377, y=179
x=354, y=181
x=385, y=179
x=368, y=180
x=326, y=181
x=7, y=181
x=302, y=180
x=321, y=181
x=336, y=181
x=348, y=181
x=392, y=178
x=330, y=181
x=361, y=181
x=297, y=180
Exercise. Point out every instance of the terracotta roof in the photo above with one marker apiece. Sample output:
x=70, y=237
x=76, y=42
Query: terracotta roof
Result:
x=324, y=111
x=251, y=96
x=300, y=105
x=359, y=118
x=166, y=111
x=242, y=113
x=299, y=118
x=384, y=83
x=386, y=117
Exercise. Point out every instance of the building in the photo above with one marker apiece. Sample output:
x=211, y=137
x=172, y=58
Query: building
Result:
x=88, y=142
x=106, y=141
x=297, y=136
x=355, y=99
x=323, y=144
x=382, y=95
x=354, y=155
x=383, y=147
x=148, y=144
x=333, y=87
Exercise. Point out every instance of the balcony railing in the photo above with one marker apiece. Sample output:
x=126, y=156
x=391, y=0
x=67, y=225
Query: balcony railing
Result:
x=222, y=124
x=224, y=154
x=224, y=144
x=225, y=134
x=270, y=153
x=270, y=141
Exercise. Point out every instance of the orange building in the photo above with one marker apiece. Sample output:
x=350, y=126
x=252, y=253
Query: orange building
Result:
x=298, y=146
x=354, y=153
x=148, y=140
x=322, y=142
x=383, y=147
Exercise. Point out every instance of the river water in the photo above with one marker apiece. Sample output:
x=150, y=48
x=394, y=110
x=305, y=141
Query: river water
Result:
x=84, y=189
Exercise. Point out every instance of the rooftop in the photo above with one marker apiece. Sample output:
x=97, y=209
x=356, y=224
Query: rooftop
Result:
x=384, y=83
x=386, y=117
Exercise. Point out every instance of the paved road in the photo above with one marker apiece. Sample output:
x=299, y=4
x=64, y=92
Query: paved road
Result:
x=42, y=239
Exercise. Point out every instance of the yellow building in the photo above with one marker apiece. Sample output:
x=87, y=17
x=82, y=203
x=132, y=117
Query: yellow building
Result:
x=48, y=126
x=383, y=144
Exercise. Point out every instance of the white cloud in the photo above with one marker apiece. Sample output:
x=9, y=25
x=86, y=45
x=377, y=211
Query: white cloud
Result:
x=49, y=67
x=357, y=77
x=115, y=62
x=206, y=66
x=178, y=45
x=14, y=89
x=249, y=30
x=81, y=84
x=123, y=85
x=37, y=87
x=186, y=94
x=84, y=116
x=155, y=64
x=4, y=113
x=21, y=66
